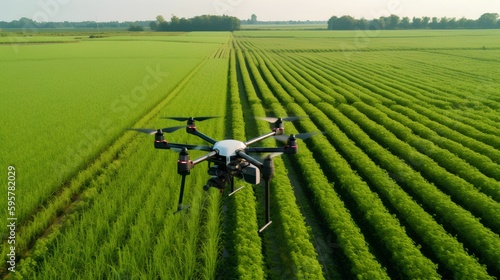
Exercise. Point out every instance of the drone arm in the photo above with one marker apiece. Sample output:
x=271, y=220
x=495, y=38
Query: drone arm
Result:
x=250, y=159
x=250, y=142
x=166, y=145
x=264, y=150
x=194, y=131
x=205, y=157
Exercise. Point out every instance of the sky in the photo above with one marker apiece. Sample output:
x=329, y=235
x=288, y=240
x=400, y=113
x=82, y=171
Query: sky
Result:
x=131, y=10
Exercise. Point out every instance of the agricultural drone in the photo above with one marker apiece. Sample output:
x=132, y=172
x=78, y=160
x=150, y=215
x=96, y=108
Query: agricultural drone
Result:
x=230, y=157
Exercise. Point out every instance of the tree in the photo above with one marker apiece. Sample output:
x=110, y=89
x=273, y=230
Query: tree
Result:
x=394, y=21
x=160, y=19
x=425, y=22
x=134, y=27
x=253, y=19
x=200, y=23
x=488, y=20
x=405, y=23
x=342, y=23
x=434, y=23
x=153, y=25
x=417, y=23
x=443, y=23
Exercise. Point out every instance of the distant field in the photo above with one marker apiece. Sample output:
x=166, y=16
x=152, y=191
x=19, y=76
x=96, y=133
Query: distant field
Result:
x=405, y=182
x=75, y=99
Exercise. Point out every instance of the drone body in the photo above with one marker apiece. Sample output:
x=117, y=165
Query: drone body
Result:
x=230, y=158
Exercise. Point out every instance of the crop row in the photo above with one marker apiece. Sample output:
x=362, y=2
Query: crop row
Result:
x=74, y=89
x=479, y=161
x=337, y=217
x=244, y=245
x=448, y=133
x=387, y=227
x=384, y=87
x=407, y=208
x=450, y=164
x=444, y=177
x=299, y=258
x=45, y=221
x=479, y=126
x=128, y=229
x=441, y=244
x=412, y=78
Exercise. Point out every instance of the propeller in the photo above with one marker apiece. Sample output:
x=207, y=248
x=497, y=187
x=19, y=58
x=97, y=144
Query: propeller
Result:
x=191, y=147
x=152, y=131
x=302, y=136
x=265, y=156
x=286, y=119
x=199, y=119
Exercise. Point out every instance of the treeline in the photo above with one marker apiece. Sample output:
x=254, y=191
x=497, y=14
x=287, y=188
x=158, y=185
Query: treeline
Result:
x=392, y=22
x=29, y=24
x=198, y=23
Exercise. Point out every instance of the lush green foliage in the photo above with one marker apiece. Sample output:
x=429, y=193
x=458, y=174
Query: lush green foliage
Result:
x=404, y=183
x=433, y=182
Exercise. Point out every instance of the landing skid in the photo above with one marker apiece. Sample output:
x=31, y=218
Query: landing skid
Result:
x=235, y=191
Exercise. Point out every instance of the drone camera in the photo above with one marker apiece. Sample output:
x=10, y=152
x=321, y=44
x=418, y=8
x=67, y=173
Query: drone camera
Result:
x=219, y=178
x=214, y=182
x=251, y=174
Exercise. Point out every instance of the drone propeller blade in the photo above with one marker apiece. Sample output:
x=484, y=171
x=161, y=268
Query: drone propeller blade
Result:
x=286, y=119
x=267, y=119
x=303, y=136
x=199, y=119
x=262, y=157
x=191, y=147
x=172, y=129
x=144, y=130
x=291, y=119
x=153, y=131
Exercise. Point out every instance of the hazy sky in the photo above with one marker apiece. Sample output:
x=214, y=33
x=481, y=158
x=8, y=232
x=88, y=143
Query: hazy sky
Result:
x=125, y=10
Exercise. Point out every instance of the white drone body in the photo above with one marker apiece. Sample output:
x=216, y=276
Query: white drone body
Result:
x=228, y=148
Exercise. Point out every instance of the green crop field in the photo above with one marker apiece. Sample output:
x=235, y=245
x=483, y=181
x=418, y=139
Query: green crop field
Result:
x=404, y=183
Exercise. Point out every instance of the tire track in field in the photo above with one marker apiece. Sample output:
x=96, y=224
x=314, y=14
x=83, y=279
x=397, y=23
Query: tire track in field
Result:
x=50, y=216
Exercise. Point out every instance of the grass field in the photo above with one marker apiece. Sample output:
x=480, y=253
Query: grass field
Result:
x=405, y=182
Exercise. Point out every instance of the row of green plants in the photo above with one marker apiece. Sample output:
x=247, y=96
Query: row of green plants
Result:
x=241, y=239
x=440, y=243
x=73, y=89
x=458, y=224
x=388, y=229
x=483, y=239
x=298, y=257
x=447, y=160
x=385, y=87
x=450, y=133
x=459, y=82
x=457, y=96
x=337, y=218
x=443, y=245
x=478, y=179
x=473, y=96
x=46, y=221
x=443, y=130
x=128, y=229
x=483, y=163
